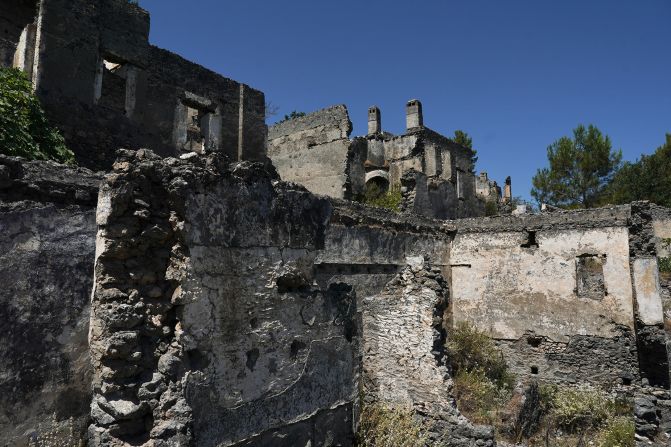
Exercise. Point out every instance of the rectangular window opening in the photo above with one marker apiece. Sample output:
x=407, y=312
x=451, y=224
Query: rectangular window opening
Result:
x=112, y=84
x=589, y=276
x=195, y=140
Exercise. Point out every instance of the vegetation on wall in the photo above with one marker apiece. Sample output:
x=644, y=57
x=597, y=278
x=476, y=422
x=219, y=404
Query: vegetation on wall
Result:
x=374, y=196
x=542, y=415
x=579, y=170
x=24, y=128
x=384, y=426
x=482, y=382
x=292, y=115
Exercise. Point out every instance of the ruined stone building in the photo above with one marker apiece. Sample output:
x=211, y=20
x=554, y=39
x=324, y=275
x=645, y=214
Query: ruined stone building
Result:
x=196, y=298
x=434, y=174
x=106, y=87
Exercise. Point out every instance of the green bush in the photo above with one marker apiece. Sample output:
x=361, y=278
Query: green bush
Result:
x=664, y=264
x=619, y=432
x=477, y=396
x=390, y=200
x=386, y=426
x=491, y=208
x=24, y=128
x=580, y=408
x=472, y=350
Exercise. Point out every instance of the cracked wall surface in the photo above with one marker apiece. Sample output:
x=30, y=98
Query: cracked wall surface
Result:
x=213, y=332
x=554, y=289
x=47, y=235
x=404, y=361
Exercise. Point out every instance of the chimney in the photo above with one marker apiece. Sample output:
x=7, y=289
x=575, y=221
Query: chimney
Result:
x=413, y=114
x=507, y=191
x=374, y=121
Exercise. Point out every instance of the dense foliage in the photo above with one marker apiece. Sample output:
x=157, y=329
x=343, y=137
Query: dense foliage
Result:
x=580, y=168
x=461, y=137
x=648, y=178
x=24, y=128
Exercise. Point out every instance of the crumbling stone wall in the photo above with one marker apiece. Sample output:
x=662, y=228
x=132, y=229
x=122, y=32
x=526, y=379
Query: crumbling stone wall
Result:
x=105, y=87
x=314, y=150
x=554, y=289
x=661, y=224
x=404, y=362
x=210, y=331
x=366, y=247
x=47, y=242
x=16, y=14
x=651, y=337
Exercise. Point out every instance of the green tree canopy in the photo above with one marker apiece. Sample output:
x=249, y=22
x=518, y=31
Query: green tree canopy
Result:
x=580, y=168
x=461, y=137
x=24, y=128
x=648, y=178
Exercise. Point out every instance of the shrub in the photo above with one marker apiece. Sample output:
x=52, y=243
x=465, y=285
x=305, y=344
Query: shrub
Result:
x=472, y=350
x=579, y=408
x=382, y=426
x=664, y=265
x=491, y=208
x=477, y=396
x=24, y=128
x=619, y=432
x=390, y=200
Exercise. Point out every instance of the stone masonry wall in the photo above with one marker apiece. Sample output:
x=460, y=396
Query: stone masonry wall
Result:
x=210, y=331
x=404, y=362
x=555, y=290
x=47, y=240
x=105, y=87
x=313, y=150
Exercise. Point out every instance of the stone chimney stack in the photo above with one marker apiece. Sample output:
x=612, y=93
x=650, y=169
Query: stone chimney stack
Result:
x=374, y=120
x=507, y=191
x=413, y=114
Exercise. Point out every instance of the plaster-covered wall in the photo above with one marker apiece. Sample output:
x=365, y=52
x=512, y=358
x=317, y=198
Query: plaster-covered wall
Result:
x=504, y=287
x=555, y=290
x=47, y=234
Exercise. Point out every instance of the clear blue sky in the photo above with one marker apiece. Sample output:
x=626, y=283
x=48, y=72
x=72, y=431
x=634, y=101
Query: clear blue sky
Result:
x=514, y=74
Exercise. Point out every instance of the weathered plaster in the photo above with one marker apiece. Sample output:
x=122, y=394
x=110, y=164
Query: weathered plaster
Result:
x=507, y=289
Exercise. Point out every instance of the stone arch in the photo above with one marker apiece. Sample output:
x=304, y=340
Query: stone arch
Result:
x=377, y=183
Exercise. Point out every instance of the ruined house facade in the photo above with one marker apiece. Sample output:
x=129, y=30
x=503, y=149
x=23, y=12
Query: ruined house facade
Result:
x=106, y=87
x=433, y=173
x=203, y=300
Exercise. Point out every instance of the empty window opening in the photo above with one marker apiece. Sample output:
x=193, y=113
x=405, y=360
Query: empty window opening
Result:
x=534, y=370
x=531, y=240
x=195, y=140
x=115, y=83
x=589, y=276
x=460, y=186
x=534, y=341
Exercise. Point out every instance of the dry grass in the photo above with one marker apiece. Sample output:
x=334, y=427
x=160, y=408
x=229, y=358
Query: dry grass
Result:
x=386, y=426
